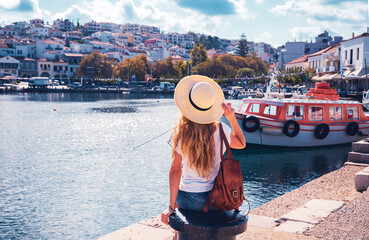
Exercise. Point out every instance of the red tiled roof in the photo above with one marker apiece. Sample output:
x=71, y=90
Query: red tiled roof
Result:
x=3, y=45
x=300, y=59
x=49, y=41
x=359, y=36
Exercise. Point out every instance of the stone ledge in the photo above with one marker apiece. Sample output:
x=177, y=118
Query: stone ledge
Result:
x=361, y=146
x=358, y=157
x=362, y=180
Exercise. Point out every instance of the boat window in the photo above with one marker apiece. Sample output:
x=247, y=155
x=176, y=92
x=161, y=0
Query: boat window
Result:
x=335, y=113
x=352, y=113
x=243, y=107
x=255, y=108
x=270, y=110
x=316, y=113
x=295, y=112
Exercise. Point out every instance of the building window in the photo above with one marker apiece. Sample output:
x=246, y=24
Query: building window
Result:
x=295, y=112
x=316, y=113
x=357, y=53
x=351, y=55
x=335, y=113
x=255, y=108
x=352, y=113
x=270, y=110
x=346, y=55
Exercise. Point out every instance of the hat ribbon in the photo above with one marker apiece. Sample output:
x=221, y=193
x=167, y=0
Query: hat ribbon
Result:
x=195, y=106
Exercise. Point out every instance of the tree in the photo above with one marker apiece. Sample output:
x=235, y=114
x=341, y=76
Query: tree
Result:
x=67, y=43
x=138, y=66
x=95, y=65
x=242, y=48
x=198, y=54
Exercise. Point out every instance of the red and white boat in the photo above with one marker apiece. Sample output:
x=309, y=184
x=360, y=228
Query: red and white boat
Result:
x=321, y=120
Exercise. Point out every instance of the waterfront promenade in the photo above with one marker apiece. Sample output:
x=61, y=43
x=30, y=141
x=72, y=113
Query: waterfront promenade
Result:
x=340, y=212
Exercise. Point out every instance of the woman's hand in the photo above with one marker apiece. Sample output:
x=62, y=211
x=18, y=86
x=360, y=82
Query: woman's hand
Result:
x=228, y=110
x=165, y=215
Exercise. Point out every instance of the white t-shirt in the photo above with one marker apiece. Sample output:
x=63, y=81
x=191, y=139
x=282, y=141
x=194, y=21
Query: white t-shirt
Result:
x=190, y=179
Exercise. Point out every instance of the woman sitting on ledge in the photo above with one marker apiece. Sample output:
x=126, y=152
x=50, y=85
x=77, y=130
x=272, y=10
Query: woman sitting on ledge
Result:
x=196, y=143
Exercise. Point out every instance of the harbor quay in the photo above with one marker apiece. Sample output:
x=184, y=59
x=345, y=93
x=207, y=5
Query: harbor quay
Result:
x=333, y=206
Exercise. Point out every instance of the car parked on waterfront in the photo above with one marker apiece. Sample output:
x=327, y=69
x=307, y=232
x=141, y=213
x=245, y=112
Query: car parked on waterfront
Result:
x=76, y=85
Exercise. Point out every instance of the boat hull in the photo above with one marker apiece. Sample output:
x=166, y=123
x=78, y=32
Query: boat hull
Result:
x=270, y=134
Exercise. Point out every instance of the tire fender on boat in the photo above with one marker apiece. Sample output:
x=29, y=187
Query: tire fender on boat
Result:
x=321, y=131
x=250, y=119
x=352, y=128
x=296, y=128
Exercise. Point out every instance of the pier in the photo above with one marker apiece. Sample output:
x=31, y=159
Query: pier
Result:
x=328, y=207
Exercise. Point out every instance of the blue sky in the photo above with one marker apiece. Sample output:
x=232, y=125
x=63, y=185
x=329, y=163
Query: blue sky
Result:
x=270, y=21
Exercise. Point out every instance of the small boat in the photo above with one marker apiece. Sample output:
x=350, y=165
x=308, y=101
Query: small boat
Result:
x=321, y=119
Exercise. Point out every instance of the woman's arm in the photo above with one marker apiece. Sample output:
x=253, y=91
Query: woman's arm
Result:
x=174, y=179
x=237, y=139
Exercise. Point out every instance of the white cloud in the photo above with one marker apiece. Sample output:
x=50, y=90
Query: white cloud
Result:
x=339, y=18
x=263, y=37
x=259, y=1
x=241, y=9
x=9, y=4
x=164, y=13
x=353, y=11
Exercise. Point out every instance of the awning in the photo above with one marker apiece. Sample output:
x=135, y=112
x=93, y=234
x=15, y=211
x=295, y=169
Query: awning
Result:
x=336, y=76
x=316, y=78
x=355, y=74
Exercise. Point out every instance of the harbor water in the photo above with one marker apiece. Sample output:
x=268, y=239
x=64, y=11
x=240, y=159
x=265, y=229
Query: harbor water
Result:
x=69, y=168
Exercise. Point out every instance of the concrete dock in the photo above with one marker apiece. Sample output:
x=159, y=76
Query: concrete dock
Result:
x=328, y=207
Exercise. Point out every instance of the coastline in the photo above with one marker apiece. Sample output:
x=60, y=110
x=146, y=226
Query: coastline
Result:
x=265, y=222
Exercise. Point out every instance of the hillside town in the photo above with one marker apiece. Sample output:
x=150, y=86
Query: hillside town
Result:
x=37, y=49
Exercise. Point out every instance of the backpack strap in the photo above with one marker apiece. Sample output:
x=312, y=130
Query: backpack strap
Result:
x=223, y=138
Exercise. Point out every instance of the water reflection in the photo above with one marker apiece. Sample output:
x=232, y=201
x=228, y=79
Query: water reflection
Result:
x=82, y=97
x=269, y=173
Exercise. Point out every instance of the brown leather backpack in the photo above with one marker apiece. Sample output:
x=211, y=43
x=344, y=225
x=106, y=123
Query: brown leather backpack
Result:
x=227, y=193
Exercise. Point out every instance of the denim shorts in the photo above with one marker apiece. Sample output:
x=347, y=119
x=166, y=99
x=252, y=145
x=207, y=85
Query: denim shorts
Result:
x=192, y=201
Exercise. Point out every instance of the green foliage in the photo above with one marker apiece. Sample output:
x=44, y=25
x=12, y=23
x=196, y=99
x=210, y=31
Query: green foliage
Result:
x=95, y=65
x=67, y=43
x=138, y=66
x=228, y=66
x=245, y=72
x=198, y=54
x=166, y=69
x=242, y=48
x=296, y=79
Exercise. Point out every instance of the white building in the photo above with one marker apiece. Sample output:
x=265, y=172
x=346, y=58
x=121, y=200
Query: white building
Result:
x=184, y=40
x=8, y=32
x=39, y=31
x=293, y=50
x=354, y=54
x=46, y=45
x=63, y=25
x=9, y=66
x=158, y=53
x=81, y=47
x=104, y=36
x=37, y=22
x=116, y=56
x=102, y=46
x=91, y=27
x=53, y=69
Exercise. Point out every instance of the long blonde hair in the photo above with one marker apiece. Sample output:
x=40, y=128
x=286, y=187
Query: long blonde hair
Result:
x=197, y=144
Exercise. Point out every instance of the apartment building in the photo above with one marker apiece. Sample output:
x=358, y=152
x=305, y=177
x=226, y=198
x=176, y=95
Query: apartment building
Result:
x=293, y=50
x=63, y=25
x=9, y=66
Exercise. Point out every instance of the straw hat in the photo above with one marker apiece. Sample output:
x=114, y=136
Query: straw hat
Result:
x=199, y=99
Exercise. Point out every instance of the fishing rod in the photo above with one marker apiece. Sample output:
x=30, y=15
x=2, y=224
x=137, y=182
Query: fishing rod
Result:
x=134, y=148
